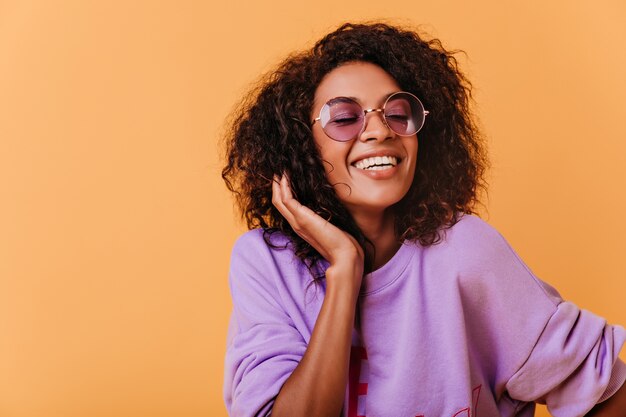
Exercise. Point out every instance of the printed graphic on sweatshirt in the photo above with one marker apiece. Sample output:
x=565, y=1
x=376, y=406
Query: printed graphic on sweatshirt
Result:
x=357, y=388
x=357, y=382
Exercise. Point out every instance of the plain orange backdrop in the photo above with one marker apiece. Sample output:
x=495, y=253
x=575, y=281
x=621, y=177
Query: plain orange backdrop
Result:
x=116, y=229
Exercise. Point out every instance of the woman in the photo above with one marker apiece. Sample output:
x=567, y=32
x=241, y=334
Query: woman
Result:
x=367, y=285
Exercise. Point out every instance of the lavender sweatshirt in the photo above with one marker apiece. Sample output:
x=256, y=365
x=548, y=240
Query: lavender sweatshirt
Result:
x=460, y=328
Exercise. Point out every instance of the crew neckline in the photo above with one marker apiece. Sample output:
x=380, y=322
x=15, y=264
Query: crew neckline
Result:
x=384, y=276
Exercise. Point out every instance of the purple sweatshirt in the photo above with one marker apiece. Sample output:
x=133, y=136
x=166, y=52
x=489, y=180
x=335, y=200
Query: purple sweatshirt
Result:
x=460, y=328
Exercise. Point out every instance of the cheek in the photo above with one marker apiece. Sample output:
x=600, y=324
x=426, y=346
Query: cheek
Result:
x=415, y=158
x=411, y=149
x=334, y=169
x=333, y=155
x=414, y=147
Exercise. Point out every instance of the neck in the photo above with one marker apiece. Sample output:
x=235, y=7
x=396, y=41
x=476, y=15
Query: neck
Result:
x=379, y=229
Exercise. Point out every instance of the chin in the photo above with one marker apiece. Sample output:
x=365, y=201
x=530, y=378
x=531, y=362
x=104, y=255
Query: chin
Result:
x=375, y=203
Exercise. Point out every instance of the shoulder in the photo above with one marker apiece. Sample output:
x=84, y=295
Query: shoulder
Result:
x=266, y=256
x=257, y=244
x=256, y=239
x=472, y=229
x=482, y=256
x=473, y=238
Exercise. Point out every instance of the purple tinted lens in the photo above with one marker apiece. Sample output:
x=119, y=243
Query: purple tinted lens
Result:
x=404, y=114
x=342, y=119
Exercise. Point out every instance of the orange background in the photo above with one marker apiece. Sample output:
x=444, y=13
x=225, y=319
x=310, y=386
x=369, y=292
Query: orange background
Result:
x=115, y=227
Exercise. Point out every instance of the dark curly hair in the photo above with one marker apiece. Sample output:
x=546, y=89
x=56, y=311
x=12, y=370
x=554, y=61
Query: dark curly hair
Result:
x=269, y=134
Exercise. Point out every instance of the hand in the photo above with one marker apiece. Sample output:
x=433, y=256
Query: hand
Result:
x=317, y=386
x=339, y=248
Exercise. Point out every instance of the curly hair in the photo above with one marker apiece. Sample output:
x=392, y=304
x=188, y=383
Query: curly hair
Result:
x=269, y=134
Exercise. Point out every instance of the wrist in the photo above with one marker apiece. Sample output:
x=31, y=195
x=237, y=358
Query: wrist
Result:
x=344, y=279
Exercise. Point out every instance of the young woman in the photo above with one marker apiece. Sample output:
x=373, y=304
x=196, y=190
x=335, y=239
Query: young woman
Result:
x=366, y=285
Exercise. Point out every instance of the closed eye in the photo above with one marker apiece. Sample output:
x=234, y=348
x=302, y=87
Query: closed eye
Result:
x=344, y=119
x=397, y=116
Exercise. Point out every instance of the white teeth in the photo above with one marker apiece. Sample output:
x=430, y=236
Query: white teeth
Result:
x=377, y=163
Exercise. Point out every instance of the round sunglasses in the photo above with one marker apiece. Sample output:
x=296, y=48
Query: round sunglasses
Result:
x=343, y=119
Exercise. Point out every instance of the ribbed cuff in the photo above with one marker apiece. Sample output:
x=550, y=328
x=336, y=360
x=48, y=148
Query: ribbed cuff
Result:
x=618, y=376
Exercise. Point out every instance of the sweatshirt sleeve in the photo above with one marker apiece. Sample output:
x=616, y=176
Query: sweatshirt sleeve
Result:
x=263, y=346
x=573, y=365
x=547, y=350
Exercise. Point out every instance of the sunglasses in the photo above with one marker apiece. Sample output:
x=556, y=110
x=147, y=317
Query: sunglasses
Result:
x=343, y=119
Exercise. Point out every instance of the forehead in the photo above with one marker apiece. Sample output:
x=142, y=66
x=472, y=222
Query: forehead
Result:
x=366, y=82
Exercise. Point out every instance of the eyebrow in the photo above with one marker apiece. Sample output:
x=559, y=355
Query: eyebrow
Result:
x=343, y=99
x=355, y=99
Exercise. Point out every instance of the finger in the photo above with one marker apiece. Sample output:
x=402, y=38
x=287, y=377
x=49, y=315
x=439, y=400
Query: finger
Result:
x=285, y=186
x=304, y=221
x=297, y=215
x=301, y=213
x=317, y=231
x=275, y=190
x=287, y=198
x=277, y=201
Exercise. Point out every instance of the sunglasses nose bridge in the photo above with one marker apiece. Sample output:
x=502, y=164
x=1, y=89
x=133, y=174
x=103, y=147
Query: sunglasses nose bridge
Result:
x=365, y=111
x=382, y=118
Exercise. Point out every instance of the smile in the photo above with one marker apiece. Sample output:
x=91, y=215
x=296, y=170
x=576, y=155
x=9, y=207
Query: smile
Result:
x=377, y=163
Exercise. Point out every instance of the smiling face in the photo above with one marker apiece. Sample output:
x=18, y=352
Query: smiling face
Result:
x=375, y=170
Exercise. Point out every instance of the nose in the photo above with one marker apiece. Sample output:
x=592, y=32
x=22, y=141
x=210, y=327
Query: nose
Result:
x=374, y=126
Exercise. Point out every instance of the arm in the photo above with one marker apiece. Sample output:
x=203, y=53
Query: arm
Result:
x=615, y=406
x=317, y=385
x=573, y=366
x=554, y=352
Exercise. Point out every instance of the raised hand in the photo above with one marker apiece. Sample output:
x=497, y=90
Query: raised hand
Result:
x=338, y=247
x=317, y=385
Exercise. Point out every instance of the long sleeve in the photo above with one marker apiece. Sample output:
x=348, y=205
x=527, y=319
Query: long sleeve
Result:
x=573, y=365
x=545, y=349
x=463, y=327
x=268, y=334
